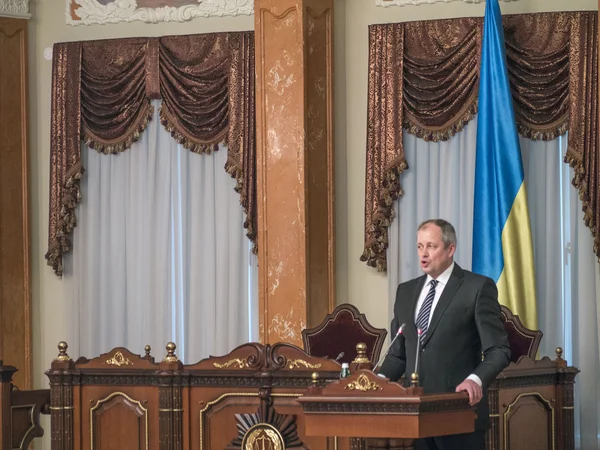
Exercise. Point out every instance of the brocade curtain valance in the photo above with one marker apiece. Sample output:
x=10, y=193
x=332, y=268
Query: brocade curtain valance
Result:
x=423, y=77
x=102, y=91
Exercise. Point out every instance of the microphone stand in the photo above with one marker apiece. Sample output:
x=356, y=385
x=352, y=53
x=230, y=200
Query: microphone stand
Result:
x=416, y=371
x=398, y=333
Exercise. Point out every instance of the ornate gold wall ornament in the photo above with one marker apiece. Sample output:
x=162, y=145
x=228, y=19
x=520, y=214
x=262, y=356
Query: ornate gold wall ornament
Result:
x=241, y=364
x=118, y=360
x=362, y=383
x=296, y=363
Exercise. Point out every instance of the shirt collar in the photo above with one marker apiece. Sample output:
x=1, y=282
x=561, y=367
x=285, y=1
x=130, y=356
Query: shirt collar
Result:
x=444, y=276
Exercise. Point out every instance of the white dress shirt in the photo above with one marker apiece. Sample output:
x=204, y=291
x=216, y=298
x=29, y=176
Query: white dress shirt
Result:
x=442, y=282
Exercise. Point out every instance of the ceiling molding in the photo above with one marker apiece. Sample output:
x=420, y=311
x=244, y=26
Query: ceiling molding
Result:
x=88, y=12
x=15, y=8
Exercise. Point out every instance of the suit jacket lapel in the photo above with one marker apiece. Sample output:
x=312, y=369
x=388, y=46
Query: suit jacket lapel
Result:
x=456, y=279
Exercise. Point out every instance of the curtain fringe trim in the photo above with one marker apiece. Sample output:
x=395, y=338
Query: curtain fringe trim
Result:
x=536, y=134
x=124, y=143
x=375, y=248
x=448, y=132
x=67, y=221
x=581, y=185
x=237, y=173
x=445, y=132
x=186, y=142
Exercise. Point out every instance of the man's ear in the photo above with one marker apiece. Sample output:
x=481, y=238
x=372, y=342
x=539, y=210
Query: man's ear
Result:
x=451, y=249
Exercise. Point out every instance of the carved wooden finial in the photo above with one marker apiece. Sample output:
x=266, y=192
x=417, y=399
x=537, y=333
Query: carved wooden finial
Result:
x=171, y=356
x=361, y=354
x=414, y=379
x=559, y=352
x=315, y=378
x=62, y=352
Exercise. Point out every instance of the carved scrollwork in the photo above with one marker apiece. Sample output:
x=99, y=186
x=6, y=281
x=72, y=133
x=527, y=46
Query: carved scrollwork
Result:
x=298, y=363
x=363, y=384
x=118, y=360
x=240, y=363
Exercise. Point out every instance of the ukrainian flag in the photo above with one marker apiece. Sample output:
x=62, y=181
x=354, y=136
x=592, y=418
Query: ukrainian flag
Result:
x=502, y=246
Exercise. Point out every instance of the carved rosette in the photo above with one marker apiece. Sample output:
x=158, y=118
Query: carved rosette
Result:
x=15, y=8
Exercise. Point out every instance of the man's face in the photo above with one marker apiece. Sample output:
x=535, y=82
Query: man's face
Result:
x=433, y=255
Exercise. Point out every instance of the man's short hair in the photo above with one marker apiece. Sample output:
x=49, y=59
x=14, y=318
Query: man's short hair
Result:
x=448, y=232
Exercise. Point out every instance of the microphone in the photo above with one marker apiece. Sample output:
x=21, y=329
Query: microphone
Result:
x=398, y=333
x=340, y=356
x=419, y=337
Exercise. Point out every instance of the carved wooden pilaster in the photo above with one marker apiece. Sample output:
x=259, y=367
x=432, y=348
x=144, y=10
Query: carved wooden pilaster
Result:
x=15, y=286
x=170, y=411
x=493, y=433
x=6, y=373
x=294, y=123
x=61, y=400
x=565, y=400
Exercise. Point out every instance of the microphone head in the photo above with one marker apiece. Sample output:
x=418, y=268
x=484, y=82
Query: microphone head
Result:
x=340, y=356
x=401, y=329
x=419, y=331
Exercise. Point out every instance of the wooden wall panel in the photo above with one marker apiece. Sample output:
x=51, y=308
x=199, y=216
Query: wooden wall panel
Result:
x=15, y=314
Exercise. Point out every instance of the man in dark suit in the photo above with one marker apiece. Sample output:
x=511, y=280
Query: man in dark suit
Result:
x=459, y=317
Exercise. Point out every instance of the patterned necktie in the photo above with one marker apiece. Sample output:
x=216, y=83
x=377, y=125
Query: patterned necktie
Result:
x=423, y=317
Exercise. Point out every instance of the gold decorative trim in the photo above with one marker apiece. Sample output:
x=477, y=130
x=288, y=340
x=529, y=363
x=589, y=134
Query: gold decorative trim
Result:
x=118, y=360
x=224, y=396
x=104, y=400
x=296, y=363
x=363, y=384
x=241, y=363
x=171, y=124
x=568, y=407
x=60, y=408
x=170, y=410
x=528, y=394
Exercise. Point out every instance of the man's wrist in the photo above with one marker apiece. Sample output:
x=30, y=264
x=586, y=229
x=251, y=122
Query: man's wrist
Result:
x=476, y=379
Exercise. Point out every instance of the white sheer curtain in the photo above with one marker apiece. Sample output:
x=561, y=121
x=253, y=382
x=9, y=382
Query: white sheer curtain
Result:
x=440, y=182
x=160, y=253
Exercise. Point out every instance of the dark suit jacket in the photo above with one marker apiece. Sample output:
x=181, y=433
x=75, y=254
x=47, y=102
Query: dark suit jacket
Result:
x=465, y=323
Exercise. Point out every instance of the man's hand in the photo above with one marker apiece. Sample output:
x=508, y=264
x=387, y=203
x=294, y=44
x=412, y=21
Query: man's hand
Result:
x=474, y=390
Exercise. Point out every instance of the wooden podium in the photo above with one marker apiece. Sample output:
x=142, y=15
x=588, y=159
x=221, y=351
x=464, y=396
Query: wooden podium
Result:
x=367, y=406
